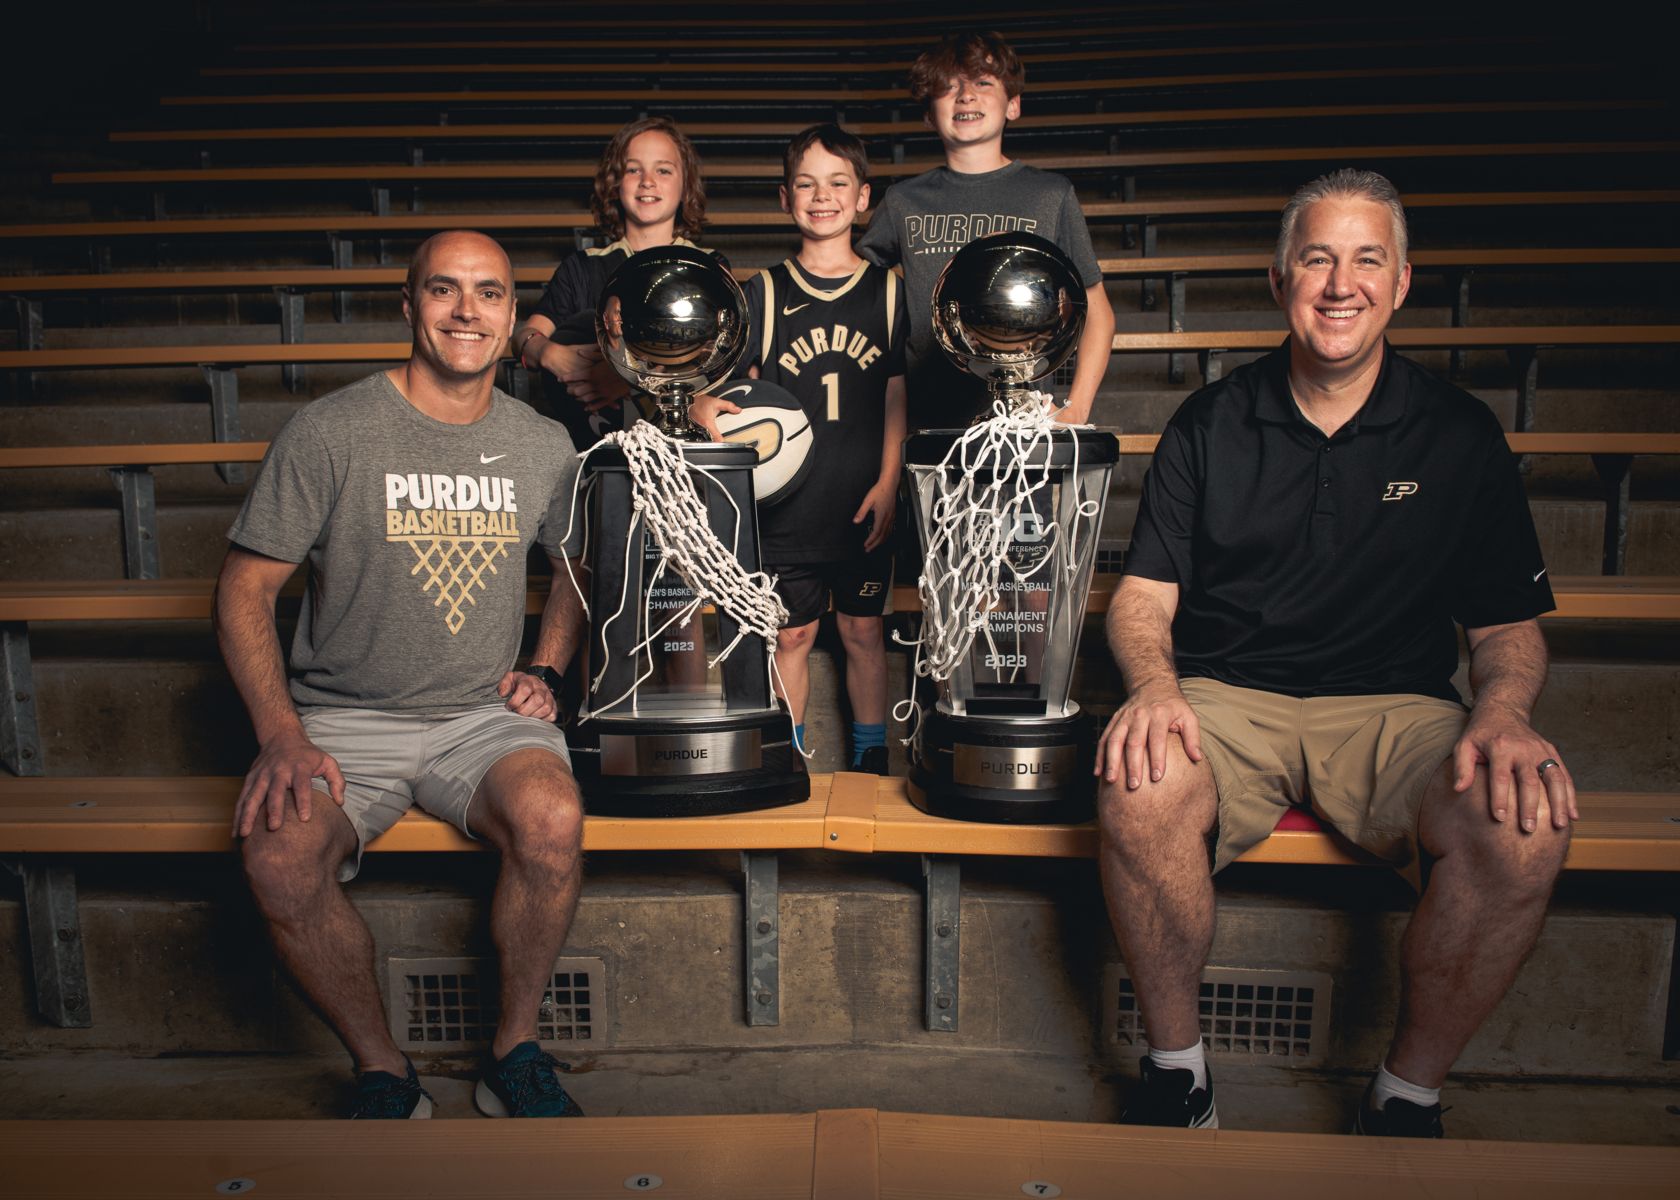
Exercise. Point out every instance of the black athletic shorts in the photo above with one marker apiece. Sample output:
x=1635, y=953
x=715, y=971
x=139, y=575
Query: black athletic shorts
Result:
x=860, y=585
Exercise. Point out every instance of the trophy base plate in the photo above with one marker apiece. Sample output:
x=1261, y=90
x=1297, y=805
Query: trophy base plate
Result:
x=640, y=767
x=1005, y=771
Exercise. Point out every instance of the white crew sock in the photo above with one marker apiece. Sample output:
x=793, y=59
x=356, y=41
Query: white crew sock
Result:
x=1389, y=1084
x=1192, y=1059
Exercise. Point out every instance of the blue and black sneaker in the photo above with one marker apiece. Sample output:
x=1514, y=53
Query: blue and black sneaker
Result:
x=381, y=1096
x=526, y=1083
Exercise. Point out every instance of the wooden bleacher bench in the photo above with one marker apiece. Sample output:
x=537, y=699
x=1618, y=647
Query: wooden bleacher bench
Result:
x=761, y=168
x=1612, y=455
x=847, y=100
x=221, y=362
x=829, y=1154
x=1579, y=597
x=44, y=820
x=760, y=130
x=41, y=820
x=1135, y=211
x=769, y=33
x=292, y=284
x=840, y=66
x=1618, y=831
x=1211, y=342
x=27, y=602
x=1188, y=265
x=924, y=1155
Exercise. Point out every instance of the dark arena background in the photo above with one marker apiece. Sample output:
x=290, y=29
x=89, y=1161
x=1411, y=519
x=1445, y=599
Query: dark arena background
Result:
x=205, y=214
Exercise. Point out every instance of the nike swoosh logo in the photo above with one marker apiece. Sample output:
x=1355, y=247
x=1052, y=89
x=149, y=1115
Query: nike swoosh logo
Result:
x=486, y=460
x=788, y=312
x=1536, y=579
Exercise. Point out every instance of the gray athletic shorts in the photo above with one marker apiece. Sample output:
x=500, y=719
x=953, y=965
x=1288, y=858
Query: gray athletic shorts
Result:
x=393, y=761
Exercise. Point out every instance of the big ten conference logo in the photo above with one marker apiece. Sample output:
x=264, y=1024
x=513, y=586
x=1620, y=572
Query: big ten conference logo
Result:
x=1399, y=491
x=1029, y=540
x=458, y=527
x=933, y=233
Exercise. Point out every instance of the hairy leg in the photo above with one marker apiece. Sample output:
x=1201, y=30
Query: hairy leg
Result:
x=320, y=938
x=793, y=666
x=529, y=808
x=1475, y=924
x=1159, y=890
x=866, y=667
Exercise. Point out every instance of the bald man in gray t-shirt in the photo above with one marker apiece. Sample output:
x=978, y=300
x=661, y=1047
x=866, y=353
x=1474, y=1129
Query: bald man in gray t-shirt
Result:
x=414, y=495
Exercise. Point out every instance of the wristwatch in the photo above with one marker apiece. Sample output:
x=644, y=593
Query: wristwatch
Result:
x=552, y=679
x=549, y=676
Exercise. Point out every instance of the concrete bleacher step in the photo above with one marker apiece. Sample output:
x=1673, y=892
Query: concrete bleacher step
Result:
x=178, y=968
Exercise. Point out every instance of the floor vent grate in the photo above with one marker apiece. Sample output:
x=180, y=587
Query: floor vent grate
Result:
x=1264, y=1016
x=450, y=1003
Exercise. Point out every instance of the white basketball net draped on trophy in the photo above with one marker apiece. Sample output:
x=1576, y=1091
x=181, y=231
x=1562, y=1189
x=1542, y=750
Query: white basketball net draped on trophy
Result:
x=981, y=490
x=666, y=501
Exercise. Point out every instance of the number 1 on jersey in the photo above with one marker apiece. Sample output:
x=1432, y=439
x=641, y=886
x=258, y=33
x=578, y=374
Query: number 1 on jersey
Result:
x=831, y=384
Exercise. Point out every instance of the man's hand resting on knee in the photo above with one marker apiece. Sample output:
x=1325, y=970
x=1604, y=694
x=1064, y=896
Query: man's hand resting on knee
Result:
x=288, y=765
x=1140, y=637
x=1507, y=671
x=1137, y=735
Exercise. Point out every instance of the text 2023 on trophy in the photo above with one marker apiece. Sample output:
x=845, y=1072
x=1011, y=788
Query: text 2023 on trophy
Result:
x=678, y=716
x=1008, y=512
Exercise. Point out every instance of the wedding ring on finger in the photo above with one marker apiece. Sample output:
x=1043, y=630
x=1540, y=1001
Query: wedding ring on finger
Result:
x=1550, y=762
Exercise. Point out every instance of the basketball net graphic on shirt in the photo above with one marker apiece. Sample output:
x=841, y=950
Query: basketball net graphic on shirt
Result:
x=458, y=528
x=455, y=567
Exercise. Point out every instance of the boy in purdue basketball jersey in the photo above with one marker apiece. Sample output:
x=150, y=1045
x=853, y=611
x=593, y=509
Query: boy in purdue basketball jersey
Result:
x=830, y=328
x=970, y=89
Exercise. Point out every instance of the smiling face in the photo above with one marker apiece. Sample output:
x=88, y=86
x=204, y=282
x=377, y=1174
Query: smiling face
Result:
x=652, y=187
x=824, y=196
x=460, y=305
x=1341, y=283
x=972, y=111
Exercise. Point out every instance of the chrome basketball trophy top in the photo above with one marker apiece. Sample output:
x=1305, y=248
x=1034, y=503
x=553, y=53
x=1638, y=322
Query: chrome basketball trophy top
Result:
x=672, y=321
x=1008, y=511
x=1009, y=309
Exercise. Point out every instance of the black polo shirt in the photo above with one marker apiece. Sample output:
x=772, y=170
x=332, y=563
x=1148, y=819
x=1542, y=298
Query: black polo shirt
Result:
x=1315, y=566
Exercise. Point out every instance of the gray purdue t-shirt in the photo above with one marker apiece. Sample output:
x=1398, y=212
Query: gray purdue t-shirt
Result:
x=925, y=220
x=416, y=532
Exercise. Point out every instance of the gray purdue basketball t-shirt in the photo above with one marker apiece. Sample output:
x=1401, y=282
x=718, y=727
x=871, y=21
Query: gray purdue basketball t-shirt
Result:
x=925, y=220
x=416, y=533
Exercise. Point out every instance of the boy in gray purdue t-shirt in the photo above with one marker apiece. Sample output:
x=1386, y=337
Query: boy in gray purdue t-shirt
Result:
x=416, y=532
x=970, y=87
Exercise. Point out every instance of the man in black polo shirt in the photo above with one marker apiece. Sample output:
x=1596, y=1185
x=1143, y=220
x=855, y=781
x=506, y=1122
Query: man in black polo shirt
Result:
x=1311, y=530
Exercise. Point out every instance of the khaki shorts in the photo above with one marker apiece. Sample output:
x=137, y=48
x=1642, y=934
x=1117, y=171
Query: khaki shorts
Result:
x=1359, y=763
x=394, y=761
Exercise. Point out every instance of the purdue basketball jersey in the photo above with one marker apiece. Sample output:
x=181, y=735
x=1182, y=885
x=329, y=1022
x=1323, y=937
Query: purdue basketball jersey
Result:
x=834, y=344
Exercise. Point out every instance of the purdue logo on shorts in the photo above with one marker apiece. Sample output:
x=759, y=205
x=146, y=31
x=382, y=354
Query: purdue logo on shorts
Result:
x=1399, y=491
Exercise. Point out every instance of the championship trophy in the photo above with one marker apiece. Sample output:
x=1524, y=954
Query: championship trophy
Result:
x=678, y=717
x=1008, y=511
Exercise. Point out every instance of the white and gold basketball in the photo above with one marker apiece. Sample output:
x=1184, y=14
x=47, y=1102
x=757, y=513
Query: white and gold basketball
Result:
x=772, y=422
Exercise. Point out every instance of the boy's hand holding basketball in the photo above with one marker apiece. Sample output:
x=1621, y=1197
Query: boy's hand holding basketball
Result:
x=704, y=412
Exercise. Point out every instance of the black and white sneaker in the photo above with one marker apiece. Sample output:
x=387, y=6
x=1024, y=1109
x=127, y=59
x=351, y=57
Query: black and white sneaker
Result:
x=1397, y=1118
x=1170, y=1098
